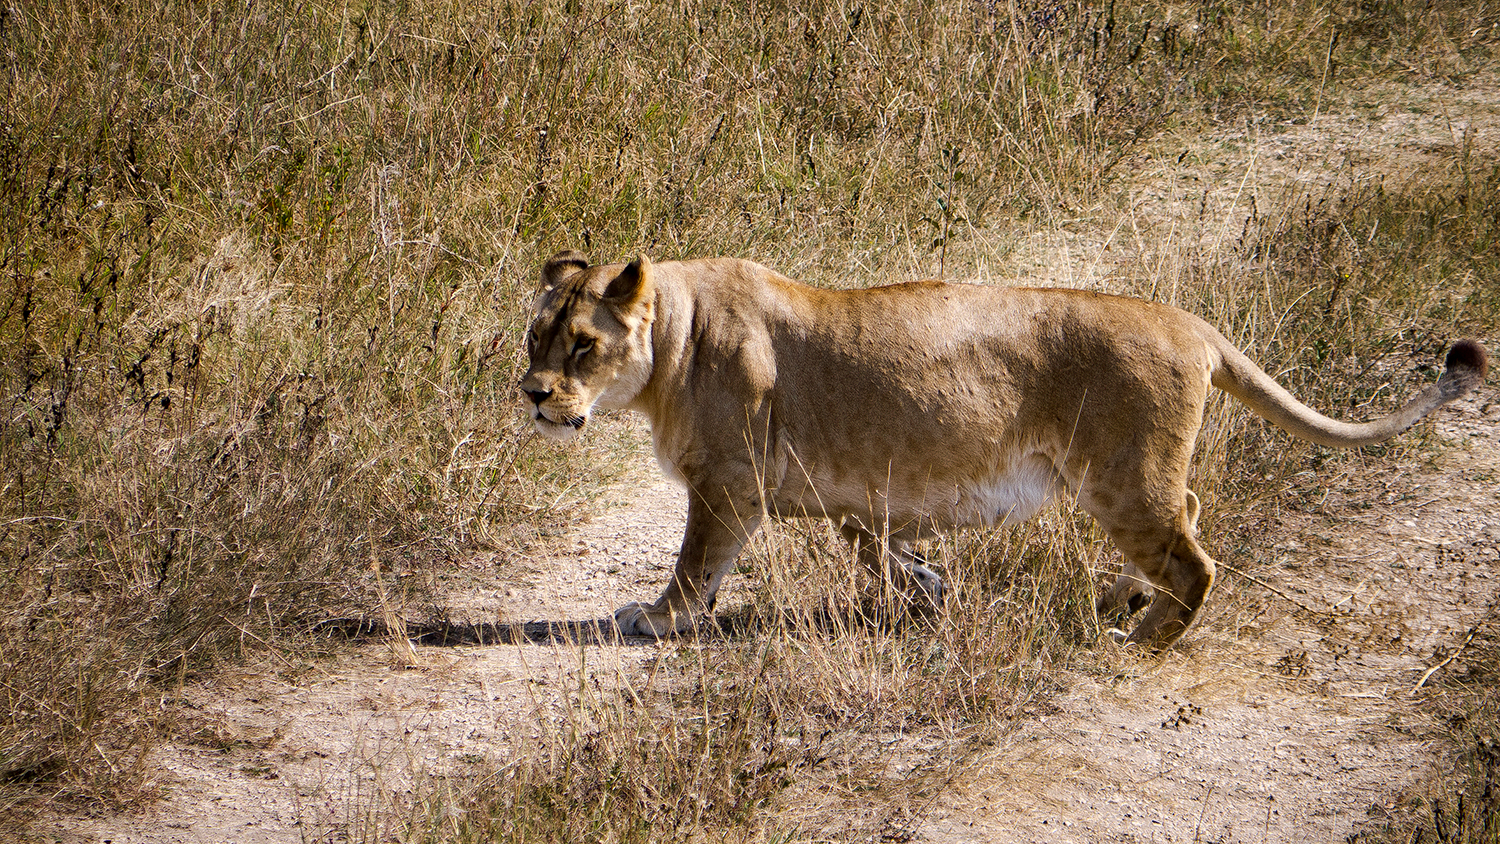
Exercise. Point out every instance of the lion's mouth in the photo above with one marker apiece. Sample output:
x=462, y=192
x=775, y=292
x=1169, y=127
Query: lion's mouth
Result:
x=569, y=419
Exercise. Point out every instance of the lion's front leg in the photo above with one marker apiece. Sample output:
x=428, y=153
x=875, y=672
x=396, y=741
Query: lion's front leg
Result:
x=716, y=531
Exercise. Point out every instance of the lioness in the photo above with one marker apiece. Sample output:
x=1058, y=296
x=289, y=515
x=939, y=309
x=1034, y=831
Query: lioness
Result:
x=896, y=411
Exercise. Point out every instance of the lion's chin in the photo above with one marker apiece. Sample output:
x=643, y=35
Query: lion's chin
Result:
x=557, y=431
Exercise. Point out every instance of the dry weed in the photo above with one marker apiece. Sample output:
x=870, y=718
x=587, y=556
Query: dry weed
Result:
x=264, y=270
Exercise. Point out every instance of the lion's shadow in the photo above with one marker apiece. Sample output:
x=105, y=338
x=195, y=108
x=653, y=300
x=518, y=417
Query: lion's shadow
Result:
x=444, y=633
x=602, y=631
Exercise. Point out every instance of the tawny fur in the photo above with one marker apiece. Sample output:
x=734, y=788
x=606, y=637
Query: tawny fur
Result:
x=897, y=411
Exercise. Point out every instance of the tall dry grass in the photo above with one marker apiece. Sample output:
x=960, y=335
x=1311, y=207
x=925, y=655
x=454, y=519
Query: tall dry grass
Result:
x=264, y=269
x=1351, y=294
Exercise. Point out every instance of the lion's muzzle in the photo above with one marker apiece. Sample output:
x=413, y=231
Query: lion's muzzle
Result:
x=559, y=425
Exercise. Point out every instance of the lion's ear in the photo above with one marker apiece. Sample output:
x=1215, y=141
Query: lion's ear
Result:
x=632, y=286
x=560, y=266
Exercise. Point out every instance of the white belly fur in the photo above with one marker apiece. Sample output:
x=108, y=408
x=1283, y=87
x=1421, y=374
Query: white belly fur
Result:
x=1016, y=491
x=1010, y=497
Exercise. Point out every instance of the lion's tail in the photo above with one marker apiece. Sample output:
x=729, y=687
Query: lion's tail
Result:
x=1238, y=376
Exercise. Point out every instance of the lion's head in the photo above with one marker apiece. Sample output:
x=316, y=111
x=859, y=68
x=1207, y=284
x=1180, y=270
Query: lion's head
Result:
x=589, y=343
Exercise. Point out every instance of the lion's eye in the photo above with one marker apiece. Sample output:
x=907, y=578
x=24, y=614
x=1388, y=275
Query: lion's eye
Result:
x=581, y=347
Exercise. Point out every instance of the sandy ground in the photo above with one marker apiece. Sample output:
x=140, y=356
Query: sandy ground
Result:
x=1291, y=713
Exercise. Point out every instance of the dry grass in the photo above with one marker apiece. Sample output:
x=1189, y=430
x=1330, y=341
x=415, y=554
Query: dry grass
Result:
x=664, y=761
x=1352, y=322
x=263, y=274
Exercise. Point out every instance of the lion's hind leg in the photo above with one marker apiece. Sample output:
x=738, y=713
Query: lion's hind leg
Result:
x=1183, y=578
x=1132, y=591
x=895, y=565
x=1163, y=561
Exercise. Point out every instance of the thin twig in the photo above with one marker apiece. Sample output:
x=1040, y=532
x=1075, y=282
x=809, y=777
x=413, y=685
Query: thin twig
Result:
x=1299, y=604
x=1434, y=669
x=1198, y=831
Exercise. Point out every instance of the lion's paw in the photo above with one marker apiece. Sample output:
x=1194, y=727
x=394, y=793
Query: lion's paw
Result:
x=1124, y=599
x=637, y=619
x=928, y=581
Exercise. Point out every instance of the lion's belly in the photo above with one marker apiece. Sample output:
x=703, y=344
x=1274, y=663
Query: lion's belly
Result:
x=1010, y=497
x=921, y=499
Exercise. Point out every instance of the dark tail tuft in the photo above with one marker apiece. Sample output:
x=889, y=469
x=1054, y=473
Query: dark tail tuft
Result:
x=1468, y=354
x=1467, y=364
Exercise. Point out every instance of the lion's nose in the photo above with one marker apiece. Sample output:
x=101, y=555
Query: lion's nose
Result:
x=537, y=396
